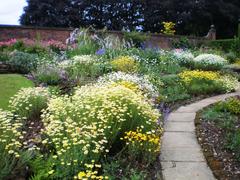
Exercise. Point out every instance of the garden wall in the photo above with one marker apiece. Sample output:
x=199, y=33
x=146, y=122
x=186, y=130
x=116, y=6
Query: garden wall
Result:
x=46, y=33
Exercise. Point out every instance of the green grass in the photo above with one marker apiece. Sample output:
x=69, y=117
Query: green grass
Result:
x=9, y=85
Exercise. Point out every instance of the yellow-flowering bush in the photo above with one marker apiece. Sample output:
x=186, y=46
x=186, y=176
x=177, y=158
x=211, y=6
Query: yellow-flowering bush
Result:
x=125, y=64
x=82, y=128
x=188, y=76
x=29, y=102
x=168, y=28
x=11, y=137
x=130, y=85
x=143, y=146
x=205, y=82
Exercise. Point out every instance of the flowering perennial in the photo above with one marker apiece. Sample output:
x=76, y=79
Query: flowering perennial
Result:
x=142, y=82
x=83, y=127
x=125, y=64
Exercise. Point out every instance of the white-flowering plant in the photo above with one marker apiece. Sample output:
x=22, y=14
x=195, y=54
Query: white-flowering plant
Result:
x=209, y=62
x=183, y=57
x=141, y=81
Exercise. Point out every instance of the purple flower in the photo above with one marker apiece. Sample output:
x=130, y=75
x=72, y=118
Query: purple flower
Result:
x=100, y=52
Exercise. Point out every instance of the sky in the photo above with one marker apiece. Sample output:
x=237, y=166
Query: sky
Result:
x=11, y=10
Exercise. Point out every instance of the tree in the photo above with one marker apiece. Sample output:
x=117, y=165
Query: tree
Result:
x=192, y=17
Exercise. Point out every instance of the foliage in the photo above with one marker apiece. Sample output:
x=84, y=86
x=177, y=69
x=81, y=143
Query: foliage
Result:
x=9, y=85
x=125, y=64
x=182, y=43
x=82, y=68
x=168, y=28
x=29, y=102
x=224, y=115
x=231, y=105
x=23, y=62
x=173, y=89
x=50, y=75
x=136, y=38
x=136, y=15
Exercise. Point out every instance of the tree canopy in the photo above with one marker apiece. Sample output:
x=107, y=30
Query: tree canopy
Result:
x=192, y=17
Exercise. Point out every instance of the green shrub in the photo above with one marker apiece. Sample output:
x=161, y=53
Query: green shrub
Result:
x=173, y=90
x=136, y=38
x=231, y=105
x=50, y=75
x=182, y=42
x=82, y=68
x=24, y=62
x=4, y=56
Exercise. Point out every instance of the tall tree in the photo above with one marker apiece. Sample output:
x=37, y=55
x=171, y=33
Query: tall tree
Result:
x=192, y=17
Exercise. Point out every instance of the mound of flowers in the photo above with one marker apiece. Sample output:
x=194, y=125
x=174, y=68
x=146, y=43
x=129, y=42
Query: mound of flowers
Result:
x=203, y=82
x=209, y=62
x=79, y=130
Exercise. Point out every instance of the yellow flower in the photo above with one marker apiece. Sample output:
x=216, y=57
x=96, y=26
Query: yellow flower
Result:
x=188, y=76
x=81, y=175
x=125, y=64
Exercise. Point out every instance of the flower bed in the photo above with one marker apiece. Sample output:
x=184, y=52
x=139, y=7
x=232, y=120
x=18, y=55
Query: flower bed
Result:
x=99, y=110
x=218, y=134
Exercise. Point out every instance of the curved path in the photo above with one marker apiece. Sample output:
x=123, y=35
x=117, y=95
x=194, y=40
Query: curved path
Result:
x=181, y=155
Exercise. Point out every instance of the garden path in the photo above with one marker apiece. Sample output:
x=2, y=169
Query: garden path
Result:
x=181, y=155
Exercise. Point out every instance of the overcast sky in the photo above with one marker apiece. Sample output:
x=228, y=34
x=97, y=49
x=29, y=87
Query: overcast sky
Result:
x=11, y=10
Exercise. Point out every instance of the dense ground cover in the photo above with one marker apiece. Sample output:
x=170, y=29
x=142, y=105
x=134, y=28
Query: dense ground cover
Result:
x=218, y=131
x=98, y=110
x=10, y=84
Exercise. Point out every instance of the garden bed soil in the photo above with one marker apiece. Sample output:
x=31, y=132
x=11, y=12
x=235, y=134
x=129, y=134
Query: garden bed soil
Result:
x=212, y=140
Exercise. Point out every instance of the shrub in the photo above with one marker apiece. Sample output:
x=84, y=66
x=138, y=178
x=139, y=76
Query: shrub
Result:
x=231, y=105
x=208, y=82
x=4, y=56
x=168, y=28
x=29, y=102
x=12, y=158
x=125, y=64
x=83, y=128
x=209, y=62
x=23, y=62
x=50, y=75
x=140, y=144
x=184, y=58
x=182, y=43
x=136, y=38
x=82, y=68
x=56, y=46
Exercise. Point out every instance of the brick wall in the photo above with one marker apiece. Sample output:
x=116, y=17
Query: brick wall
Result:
x=61, y=34
x=19, y=32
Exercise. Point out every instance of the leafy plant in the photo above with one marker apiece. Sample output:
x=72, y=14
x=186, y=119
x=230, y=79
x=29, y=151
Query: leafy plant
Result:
x=136, y=38
x=23, y=62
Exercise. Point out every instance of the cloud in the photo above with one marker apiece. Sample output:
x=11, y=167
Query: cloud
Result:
x=11, y=10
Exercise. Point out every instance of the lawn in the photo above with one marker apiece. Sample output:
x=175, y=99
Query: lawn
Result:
x=9, y=85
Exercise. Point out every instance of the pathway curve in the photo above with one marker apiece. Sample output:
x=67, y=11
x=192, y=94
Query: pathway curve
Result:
x=181, y=155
